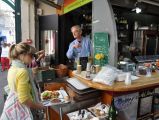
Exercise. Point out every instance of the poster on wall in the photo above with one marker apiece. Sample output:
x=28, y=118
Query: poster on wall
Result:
x=70, y=5
x=101, y=45
x=127, y=106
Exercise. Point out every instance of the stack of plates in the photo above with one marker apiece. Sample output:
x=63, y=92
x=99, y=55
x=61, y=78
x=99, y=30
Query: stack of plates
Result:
x=80, y=91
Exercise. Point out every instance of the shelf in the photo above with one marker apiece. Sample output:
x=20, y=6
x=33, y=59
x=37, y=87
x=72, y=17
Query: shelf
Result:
x=122, y=29
x=123, y=37
x=156, y=113
x=121, y=23
x=145, y=116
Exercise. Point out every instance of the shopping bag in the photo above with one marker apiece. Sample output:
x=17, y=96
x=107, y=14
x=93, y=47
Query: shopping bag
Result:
x=14, y=110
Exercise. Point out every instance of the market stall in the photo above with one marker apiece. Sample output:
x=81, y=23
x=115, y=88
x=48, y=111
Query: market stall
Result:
x=133, y=92
x=137, y=97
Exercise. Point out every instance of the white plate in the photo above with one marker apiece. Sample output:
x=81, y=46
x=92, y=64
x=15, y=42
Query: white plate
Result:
x=134, y=77
x=122, y=77
x=75, y=116
x=77, y=84
x=99, y=107
x=62, y=95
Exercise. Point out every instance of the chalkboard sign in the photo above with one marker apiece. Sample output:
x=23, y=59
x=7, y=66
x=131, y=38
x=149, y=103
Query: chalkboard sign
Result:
x=126, y=106
x=101, y=46
x=145, y=105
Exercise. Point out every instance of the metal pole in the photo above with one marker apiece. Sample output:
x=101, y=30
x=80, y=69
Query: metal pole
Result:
x=18, y=20
x=48, y=115
x=61, y=113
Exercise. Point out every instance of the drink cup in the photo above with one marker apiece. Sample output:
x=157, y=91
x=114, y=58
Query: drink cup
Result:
x=79, y=69
x=128, y=79
x=97, y=68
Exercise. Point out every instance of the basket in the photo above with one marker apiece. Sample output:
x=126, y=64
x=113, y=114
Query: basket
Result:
x=61, y=70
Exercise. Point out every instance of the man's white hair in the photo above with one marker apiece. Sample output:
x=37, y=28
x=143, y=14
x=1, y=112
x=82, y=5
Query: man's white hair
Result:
x=77, y=27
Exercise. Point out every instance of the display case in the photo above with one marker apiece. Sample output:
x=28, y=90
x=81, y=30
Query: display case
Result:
x=147, y=41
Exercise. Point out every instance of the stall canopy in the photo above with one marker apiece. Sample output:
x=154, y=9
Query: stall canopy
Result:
x=70, y=5
x=66, y=6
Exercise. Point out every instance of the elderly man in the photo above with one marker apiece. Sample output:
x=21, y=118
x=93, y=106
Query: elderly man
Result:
x=81, y=46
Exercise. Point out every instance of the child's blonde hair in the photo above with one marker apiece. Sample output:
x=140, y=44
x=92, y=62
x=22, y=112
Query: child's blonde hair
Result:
x=18, y=49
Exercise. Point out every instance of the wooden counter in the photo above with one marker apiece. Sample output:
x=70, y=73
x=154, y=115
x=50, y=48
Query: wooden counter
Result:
x=108, y=92
x=139, y=84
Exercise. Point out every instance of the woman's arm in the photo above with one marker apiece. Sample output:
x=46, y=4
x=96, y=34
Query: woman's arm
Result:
x=40, y=55
x=33, y=105
x=24, y=90
x=40, y=52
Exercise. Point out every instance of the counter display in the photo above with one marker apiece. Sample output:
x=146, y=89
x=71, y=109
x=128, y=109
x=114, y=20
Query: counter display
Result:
x=137, y=96
x=142, y=83
x=126, y=97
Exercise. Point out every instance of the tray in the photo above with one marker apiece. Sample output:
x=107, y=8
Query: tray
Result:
x=77, y=84
x=81, y=97
x=122, y=77
x=77, y=115
x=62, y=95
x=82, y=92
x=100, y=109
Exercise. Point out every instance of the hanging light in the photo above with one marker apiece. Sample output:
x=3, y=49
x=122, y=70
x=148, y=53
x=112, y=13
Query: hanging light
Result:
x=137, y=9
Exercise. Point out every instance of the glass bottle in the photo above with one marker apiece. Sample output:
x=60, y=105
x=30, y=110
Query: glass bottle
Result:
x=112, y=114
x=89, y=58
x=77, y=61
x=88, y=70
x=148, y=72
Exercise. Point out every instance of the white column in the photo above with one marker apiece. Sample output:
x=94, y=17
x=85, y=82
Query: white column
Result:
x=28, y=20
x=105, y=22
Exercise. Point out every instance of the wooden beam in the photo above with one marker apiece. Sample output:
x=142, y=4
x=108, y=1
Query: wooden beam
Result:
x=51, y=4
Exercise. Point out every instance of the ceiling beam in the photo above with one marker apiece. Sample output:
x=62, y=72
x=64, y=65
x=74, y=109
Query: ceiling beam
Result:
x=149, y=2
x=51, y=4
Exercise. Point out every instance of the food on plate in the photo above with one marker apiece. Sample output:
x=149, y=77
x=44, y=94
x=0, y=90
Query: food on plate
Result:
x=80, y=115
x=95, y=118
x=66, y=98
x=56, y=101
x=102, y=113
x=55, y=94
x=50, y=98
x=100, y=110
x=147, y=64
x=47, y=95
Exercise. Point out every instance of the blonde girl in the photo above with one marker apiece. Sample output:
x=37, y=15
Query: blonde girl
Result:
x=19, y=100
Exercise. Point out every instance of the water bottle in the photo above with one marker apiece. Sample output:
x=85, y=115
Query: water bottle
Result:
x=148, y=72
